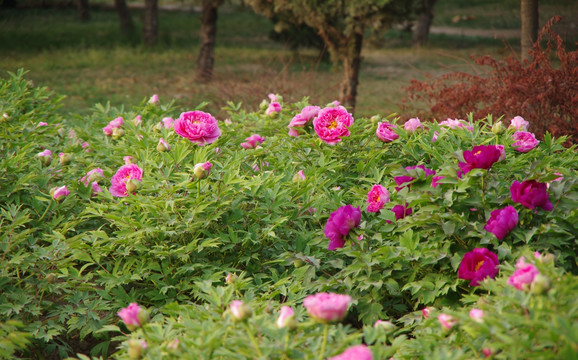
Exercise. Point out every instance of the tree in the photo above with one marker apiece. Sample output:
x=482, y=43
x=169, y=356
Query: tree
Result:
x=83, y=13
x=341, y=24
x=424, y=20
x=126, y=24
x=206, y=57
x=529, y=34
x=151, y=22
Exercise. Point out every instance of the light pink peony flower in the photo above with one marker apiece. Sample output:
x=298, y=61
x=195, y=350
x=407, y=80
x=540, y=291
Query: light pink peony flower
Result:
x=301, y=174
x=197, y=126
x=376, y=198
x=130, y=315
x=60, y=193
x=252, y=141
x=85, y=145
x=92, y=175
x=239, y=310
x=385, y=132
x=45, y=153
x=154, y=99
x=168, y=122
x=524, y=275
x=456, y=124
x=357, y=352
x=332, y=124
x=447, y=321
x=95, y=188
x=41, y=124
x=128, y=160
x=327, y=307
x=519, y=123
x=301, y=119
x=412, y=124
x=126, y=174
x=286, y=316
x=477, y=315
x=45, y=157
x=272, y=97
x=434, y=138
x=524, y=141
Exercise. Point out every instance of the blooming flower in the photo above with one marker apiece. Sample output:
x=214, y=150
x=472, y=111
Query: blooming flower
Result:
x=197, y=126
x=239, y=310
x=340, y=222
x=252, y=141
x=502, y=221
x=480, y=157
x=401, y=211
x=531, y=194
x=524, y=141
x=519, y=123
x=326, y=307
x=385, y=132
x=477, y=265
x=412, y=124
x=456, y=124
x=524, y=275
x=274, y=108
x=476, y=315
x=332, y=124
x=201, y=170
x=447, y=321
x=301, y=119
x=376, y=198
x=286, y=317
x=133, y=316
x=92, y=175
x=357, y=352
x=113, y=124
x=119, y=183
x=59, y=193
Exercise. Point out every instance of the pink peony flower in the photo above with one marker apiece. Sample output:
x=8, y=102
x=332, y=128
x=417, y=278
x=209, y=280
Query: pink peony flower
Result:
x=531, y=194
x=524, y=275
x=340, y=222
x=301, y=175
x=434, y=138
x=252, y=141
x=524, y=141
x=357, y=352
x=114, y=124
x=400, y=180
x=447, y=321
x=239, y=310
x=41, y=124
x=301, y=119
x=60, y=193
x=376, y=198
x=126, y=174
x=327, y=307
x=46, y=153
x=197, y=126
x=168, y=122
x=95, y=188
x=502, y=221
x=401, y=211
x=502, y=151
x=487, y=352
x=519, y=123
x=435, y=181
x=412, y=124
x=85, y=145
x=385, y=132
x=137, y=120
x=128, y=160
x=272, y=97
x=154, y=99
x=480, y=157
x=92, y=175
x=332, y=124
x=477, y=265
x=456, y=124
x=130, y=315
x=273, y=108
x=426, y=312
x=286, y=317
x=476, y=315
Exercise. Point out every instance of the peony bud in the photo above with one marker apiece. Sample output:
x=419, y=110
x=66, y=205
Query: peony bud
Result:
x=64, y=158
x=59, y=193
x=117, y=133
x=240, y=311
x=298, y=263
x=231, y=278
x=137, y=120
x=299, y=177
x=498, y=128
x=154, y=99
x=132, y=185
x=136, y=348
x=5, y=117
x=45, y=157
x=387, y=326
x=541, y=284
x=50, y=278
x=286, y=318
x=201, y=170
x=163, y=146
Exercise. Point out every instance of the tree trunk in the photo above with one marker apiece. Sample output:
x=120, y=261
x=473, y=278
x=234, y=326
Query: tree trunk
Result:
x=206, y=57
x=529, y=18
x=151, y=22
x=83, y=13
x=126, y=24
x=351, y=66
x=426, y=14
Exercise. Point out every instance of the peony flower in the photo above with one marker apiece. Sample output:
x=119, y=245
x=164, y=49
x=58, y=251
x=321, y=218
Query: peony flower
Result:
x=286, y=317
x=385, y=132
x=301, y=119
x=400, y=180
x=376, y=198
x=85, y=145
x=531, y=194
x=435, y=181
x=112, y=125
x=412, y=124
x=162, y=146
x=524, y=275
x=401, y=211
x=301, y=174
x=519, y=123
x=426, y=312
x=477, y=265
x=201, y=170
x=92, y=175
x=168, y=122
x=45, y=157
x=326, y=307
x=332, y=124
x=64, y=158
x=340, y=222
x=197, y=126
x=59, y=193
x=434, y=138
x=476, y=315
x=123, y=181
x=480, y=157
x=137, y=120
x=272, y=97
x=487, y=352
x=239, y=310
x=498, y=128
x=41, y=124
x=502, y=221
x=128, y=160
x=456, y=124
x=524, y=141
x=95, y=188
x=154, y=99
x=273, y=108
x=252, y=141
x=133, y=316
x=447, y=321
x=357, y=352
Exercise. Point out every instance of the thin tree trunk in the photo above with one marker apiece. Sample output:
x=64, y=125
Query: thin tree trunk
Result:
x=529, y=18
x=206, y=57
x=424, y=21
x=126, y=24
x=351, y=66
x=83, y=13
x=151, y=22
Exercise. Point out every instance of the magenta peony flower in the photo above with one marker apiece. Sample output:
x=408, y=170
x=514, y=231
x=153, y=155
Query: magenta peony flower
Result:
x=524, y=275
x=332, y=124
x=197, y=126
x=385, y=132
x=401, y=211
x=477, y=265
x=477, y=315
x=286, y=317
x=412, y=124
x=502, y=221
x=524, y=141
x=252, y=141
x=456, y=124
x=126, y=174
x=301, y=119
x=480, y=157
x=447, y=321
x=519, y=123
x=376, y=198
x=92, y=175
x=340, y=222
x=326, y=307
x=60, y=193
x=357, y=352
x=531, y=194
x=400, y=180
x=133, y=316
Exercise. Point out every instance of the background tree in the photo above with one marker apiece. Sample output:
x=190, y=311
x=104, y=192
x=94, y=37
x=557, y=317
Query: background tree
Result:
x=83, y=13
x=206, y=57
x=126, y=24
x=425, y=12
x=529, y=18
x=151, y=22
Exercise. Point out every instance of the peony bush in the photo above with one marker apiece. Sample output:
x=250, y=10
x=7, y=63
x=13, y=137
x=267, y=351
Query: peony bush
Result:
x=208, y=237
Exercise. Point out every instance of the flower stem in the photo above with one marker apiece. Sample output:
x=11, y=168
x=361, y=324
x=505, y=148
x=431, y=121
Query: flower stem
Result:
x=252, y=338
x=325, y=332
x=46, y=211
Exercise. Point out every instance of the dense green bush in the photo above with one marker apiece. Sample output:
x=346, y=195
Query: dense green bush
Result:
x=73, y=263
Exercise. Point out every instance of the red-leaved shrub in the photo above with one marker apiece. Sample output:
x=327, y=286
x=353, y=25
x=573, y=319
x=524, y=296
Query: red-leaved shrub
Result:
x=543, y=91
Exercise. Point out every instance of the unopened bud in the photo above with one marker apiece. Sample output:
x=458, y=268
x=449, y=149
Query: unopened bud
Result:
x=240, y=311
x=143, y=316
x=132, y=185
x=163, y=146
x=117, y=133
x=201, y=170
x=298, y=263
x=136, y=348
x=65, y=158
x=158, y=126
x=264, y=105
x=386, y=326
x=231, y=278
x=541, y=284
x=498, y=128
x=50, y=278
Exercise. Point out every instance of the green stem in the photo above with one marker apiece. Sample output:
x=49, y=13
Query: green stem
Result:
x=325, y=332
x=46, y=211
x=252, y=338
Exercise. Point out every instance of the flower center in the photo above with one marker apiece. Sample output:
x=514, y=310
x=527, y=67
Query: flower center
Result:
x=479, y=265
x=478, y=153
x=333, y=125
